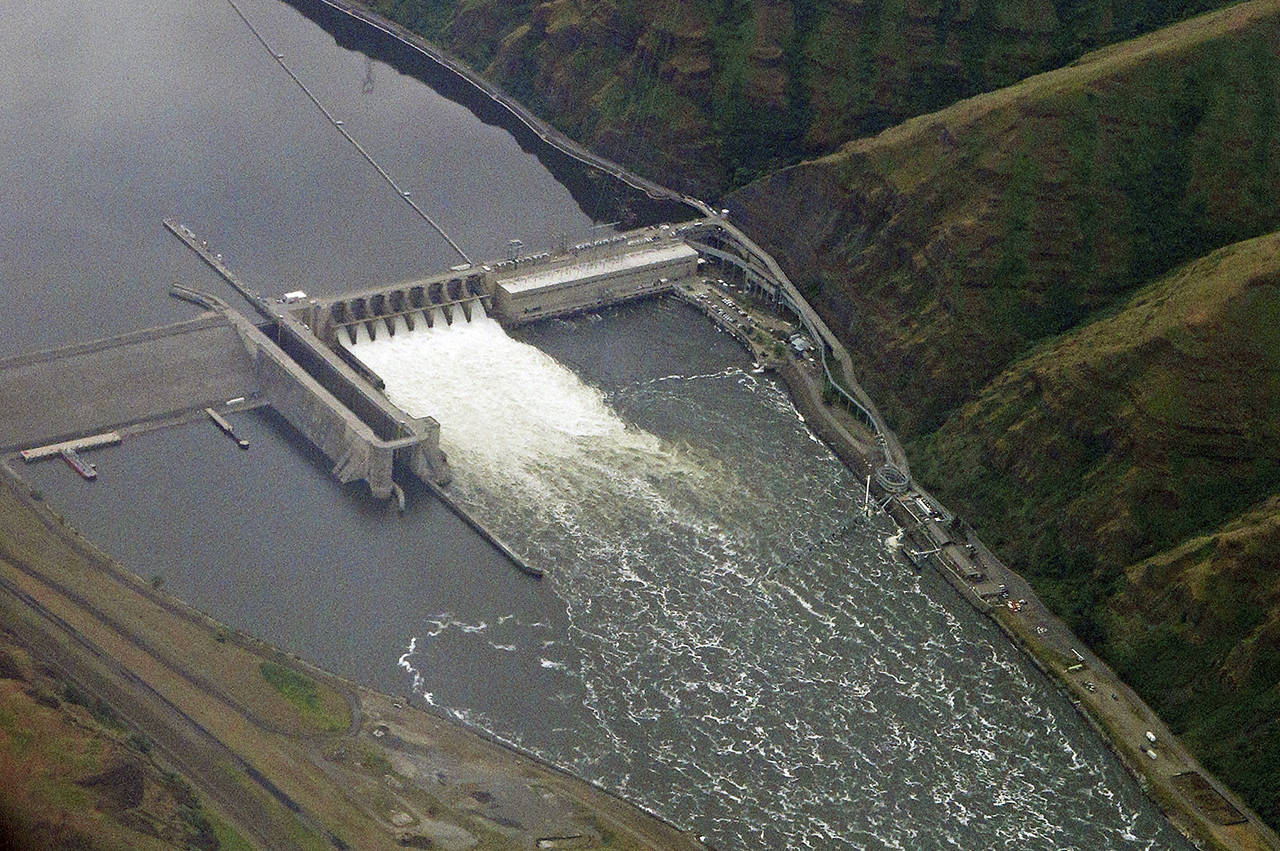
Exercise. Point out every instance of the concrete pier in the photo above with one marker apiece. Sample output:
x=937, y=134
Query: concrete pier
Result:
x=225, y=427
x=484, y=532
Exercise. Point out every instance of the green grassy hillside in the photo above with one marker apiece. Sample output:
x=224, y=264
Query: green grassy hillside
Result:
x=705, y=94
x=1206, y=646
x=944, y=247
x=1131, y=470
x=1066, y=295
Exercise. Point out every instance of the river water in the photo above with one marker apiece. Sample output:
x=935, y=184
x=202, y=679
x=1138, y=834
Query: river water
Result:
x=723, y=635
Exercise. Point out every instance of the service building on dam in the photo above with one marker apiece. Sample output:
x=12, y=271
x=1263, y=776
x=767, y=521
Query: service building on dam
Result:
x=512, y=291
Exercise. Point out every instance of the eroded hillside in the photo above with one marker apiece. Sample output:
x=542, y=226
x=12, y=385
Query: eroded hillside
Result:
x=940, y=249
x=1131, y=470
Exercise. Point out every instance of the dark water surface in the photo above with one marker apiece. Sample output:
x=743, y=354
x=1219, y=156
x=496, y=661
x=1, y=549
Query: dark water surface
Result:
x=116, y=115
x=722, y=637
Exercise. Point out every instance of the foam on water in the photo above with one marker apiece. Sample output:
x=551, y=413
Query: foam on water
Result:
x=743, y=653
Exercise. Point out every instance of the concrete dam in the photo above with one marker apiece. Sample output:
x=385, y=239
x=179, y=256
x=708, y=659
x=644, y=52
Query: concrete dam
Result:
x=298, y=359
x=514, y=291
x=364, y=435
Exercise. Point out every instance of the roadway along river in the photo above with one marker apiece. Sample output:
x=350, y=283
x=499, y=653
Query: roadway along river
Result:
x=722, y=637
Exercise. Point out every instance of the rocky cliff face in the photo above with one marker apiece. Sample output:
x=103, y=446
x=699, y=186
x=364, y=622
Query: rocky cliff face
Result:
x=707, y=94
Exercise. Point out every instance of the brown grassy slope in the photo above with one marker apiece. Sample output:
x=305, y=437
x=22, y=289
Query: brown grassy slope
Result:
x=944, y=247
x=74, y=777
x=1138, y=428
x=1199, y=627
x=1129, y=469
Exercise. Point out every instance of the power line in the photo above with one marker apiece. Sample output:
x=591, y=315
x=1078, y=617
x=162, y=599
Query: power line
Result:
x=340, y=126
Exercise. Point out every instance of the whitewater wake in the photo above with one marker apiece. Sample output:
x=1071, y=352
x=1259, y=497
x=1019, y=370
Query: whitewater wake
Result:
x=832, y=701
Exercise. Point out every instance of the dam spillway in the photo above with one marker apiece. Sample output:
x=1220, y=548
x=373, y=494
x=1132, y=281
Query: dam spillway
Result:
x=515, y=290
x=473, y=376
x=332, y=396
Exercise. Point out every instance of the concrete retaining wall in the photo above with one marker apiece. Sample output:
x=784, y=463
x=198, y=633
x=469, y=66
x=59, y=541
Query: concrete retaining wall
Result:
x=352, y=444
x=313, y=411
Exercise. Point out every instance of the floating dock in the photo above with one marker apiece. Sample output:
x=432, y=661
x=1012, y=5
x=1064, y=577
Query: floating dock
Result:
x=110, y=438
x=86, y=471
x=69, y=451
x=221, y=422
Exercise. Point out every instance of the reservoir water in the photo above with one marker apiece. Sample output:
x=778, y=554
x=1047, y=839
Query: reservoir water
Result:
x=116, y=115
x=723, y=636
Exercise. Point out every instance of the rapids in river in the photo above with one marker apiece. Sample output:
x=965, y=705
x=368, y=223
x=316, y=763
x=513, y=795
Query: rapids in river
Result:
x=743, y=652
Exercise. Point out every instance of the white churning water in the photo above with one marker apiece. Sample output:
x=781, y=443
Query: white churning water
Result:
x=743, y=654
x=512, y=418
